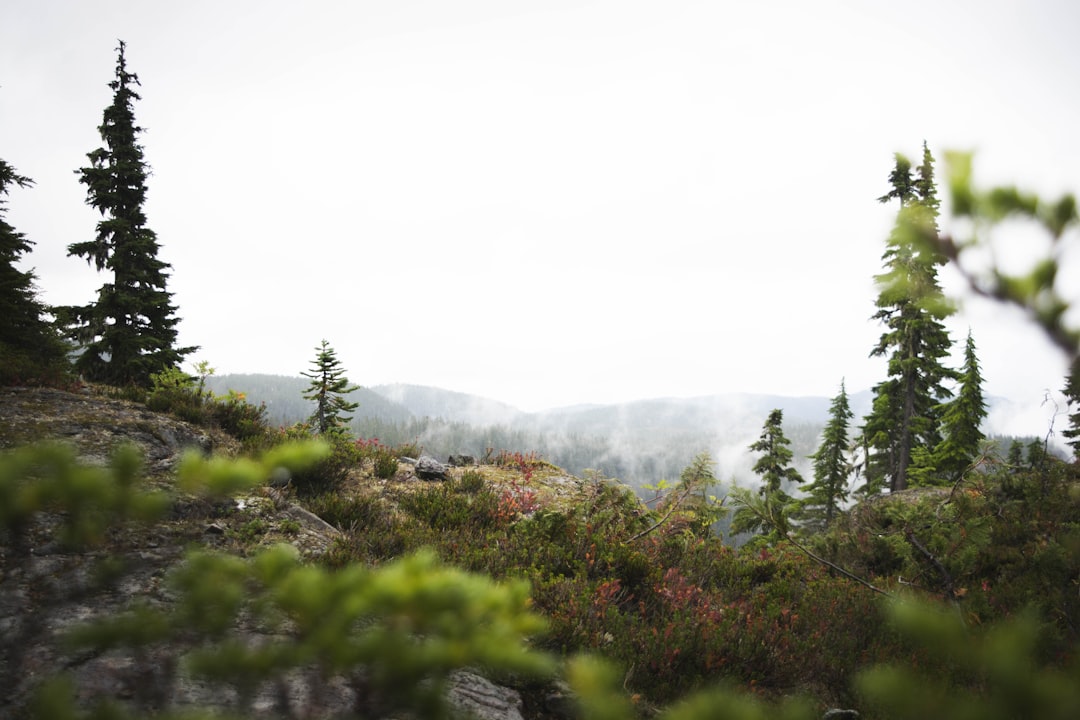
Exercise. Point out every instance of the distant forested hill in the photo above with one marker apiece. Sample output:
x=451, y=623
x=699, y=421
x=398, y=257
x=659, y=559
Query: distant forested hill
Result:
x=423, y=401
x=285, y=403
x=637, y=442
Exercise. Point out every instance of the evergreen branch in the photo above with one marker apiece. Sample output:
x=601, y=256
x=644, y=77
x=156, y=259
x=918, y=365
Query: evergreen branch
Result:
x=950, y=585
x=674, y=506
x=1002, y=290
x=849, y=575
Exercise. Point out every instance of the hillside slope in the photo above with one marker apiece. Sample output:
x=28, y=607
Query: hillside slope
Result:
x=48, y=587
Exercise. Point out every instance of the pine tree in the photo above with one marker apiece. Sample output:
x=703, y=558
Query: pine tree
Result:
x=769, y=512
x=328, y=386
x=831, y=467
x=1015, y=457
x=1072, y=394
x=694, y=483
x=1038, y=455
x=130, y=333
x=29, y=347
x=773, y=465
x=905, y=416
x=960, y=422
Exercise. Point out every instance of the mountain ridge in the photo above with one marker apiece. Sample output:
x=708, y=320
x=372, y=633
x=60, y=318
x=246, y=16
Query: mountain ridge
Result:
x=413, y=400
x=639, y=441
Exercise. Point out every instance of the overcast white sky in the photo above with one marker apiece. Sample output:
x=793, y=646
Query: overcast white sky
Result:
x=544, y=203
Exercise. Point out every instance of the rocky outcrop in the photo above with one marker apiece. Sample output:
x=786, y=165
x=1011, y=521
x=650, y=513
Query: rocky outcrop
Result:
x=46, y=590
x=482, y=699
x=96, y=425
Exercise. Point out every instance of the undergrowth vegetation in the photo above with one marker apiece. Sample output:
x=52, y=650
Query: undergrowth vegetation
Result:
x=676, y=610
x=186, y=397
x=671, y=607
x=679, y=610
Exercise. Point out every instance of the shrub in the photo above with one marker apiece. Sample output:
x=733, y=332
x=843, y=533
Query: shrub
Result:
x=991, y=673
x=472, y=481
x=994, y=545
x=252, y=530
x=175, y=392
x=443, y=507
x=236, y=416
x=20, y=366
x=349, y=513
x=329, y=474
x=384, y=460
x=375, y=544
x=386, y=465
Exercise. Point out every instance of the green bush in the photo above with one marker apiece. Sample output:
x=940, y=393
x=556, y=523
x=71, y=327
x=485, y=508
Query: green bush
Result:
x=409, y=450
x=349, y=512
x=175, y=392
x=386, y=465
x=88, y=500
x=446, y=507
x=472, y=481
x=384, y=460
x=981, y=673
x=20, y=367
x=996, y=544
x=406, y=626
x=236, y=416
x=329, y=474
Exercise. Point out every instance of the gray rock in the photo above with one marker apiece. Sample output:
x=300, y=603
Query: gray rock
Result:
x=482, y=699
x=310, y=519
x=461, y=460
x=428, y=468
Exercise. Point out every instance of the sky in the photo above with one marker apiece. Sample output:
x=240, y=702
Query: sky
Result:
x=544, y=203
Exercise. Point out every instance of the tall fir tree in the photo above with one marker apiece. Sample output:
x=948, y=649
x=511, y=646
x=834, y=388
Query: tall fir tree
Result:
x=832, y=467
x=768, y=512
x=129, y=333
x=961, y=426
x=774, y=464
x=905, y=415
x=1072, y=395
x=327, y=389
x=1015, y=456
x=30, y=349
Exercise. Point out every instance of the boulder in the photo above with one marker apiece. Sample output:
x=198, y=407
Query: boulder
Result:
x=428, y=468
x=461, y=460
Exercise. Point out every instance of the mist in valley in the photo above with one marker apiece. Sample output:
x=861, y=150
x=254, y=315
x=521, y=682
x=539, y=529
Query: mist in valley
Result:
x=638, y=443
